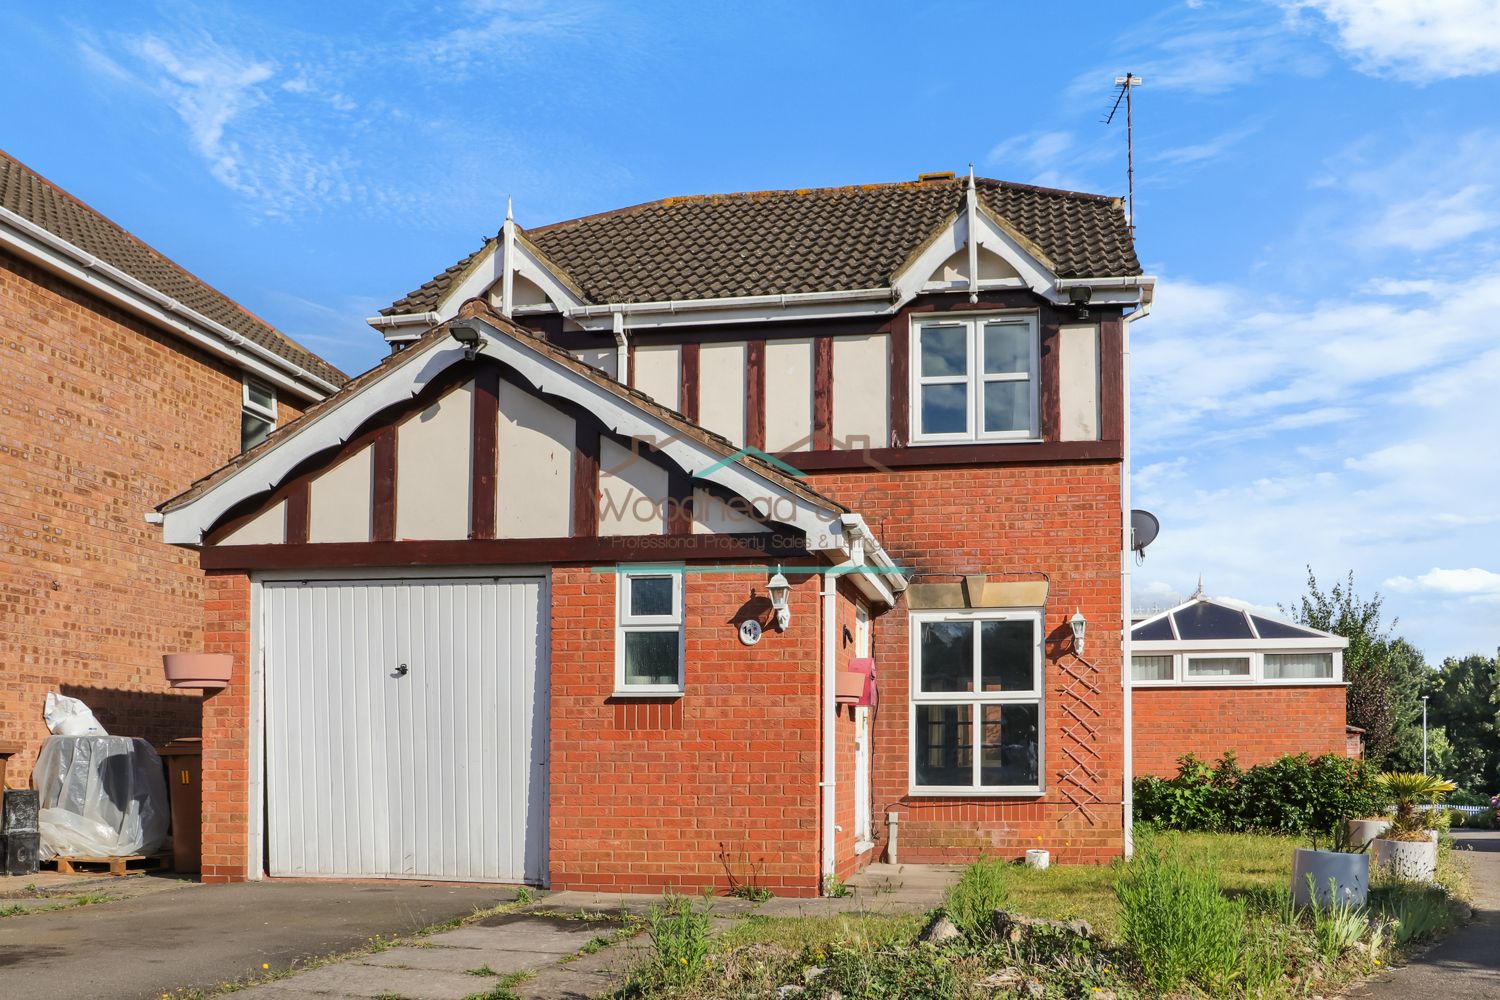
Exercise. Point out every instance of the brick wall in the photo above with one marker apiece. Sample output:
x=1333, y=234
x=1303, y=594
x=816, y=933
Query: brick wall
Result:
x=645, y=793
x=1258, y=723
x=226, y=731
x=101, y=418
x=1061, y=520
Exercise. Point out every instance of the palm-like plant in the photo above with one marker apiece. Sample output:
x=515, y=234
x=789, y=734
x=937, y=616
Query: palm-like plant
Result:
x=1407, y=790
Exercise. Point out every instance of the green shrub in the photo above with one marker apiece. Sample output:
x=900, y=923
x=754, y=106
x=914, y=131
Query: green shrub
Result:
x=679, y=933
x=1178, y=924
x=971, y=903
x=1295, y=795
x=1417, y=912
x=1337, y=927
x=1464, y=797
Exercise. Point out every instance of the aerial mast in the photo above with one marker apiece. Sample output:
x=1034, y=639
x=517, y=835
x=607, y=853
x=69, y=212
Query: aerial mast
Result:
x=1126, y=84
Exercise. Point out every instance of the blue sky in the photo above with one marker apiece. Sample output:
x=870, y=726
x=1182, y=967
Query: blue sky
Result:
x=1318, y=190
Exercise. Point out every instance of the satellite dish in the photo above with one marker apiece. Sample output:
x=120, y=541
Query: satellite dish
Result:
x=1144, y=527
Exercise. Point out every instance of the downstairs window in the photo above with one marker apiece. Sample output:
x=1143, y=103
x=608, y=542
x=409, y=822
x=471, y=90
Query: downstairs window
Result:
x=976, y=712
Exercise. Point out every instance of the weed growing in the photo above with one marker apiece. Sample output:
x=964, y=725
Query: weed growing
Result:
x=981, y=891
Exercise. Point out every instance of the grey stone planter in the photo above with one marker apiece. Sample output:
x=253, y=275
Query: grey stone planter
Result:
x=1336, y=877
x=1413, y=860
x=1362, y=831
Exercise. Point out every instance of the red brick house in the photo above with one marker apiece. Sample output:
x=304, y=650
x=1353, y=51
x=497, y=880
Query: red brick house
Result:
x=121, y=376
x=1209, y=677
x=582, y=584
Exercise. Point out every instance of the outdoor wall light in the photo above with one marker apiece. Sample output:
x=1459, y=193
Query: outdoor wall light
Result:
x=1078, y=625
x=467, y=334
x=778, y=590
x=1080, y=296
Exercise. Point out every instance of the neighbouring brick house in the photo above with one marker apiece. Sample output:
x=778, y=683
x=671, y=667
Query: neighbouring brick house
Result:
x=583, y=584
x=1209, y=677
x=121, y=376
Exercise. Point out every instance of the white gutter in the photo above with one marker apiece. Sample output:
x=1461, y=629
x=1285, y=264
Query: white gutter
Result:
x=884, y=580
x=426, y=320
x=830, y=724
x=1127, y=795
x=109, y=282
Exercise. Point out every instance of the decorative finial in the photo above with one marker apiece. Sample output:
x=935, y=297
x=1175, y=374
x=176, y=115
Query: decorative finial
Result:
x=508, y=215
x=1198, y=594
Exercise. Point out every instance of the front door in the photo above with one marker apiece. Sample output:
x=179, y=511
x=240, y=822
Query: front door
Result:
x=862, y=791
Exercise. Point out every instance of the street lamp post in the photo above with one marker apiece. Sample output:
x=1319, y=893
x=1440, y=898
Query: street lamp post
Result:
x=1424, y=734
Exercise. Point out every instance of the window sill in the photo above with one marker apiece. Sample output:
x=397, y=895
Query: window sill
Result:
x=863, y=847
x=1238, y=683
x=649, y=692
x=916, y=442
x=976, y=793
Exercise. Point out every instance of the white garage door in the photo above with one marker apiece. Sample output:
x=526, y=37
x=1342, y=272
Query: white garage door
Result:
x=406, y=728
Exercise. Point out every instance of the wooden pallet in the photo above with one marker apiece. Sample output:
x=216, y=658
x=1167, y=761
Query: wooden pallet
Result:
x=131, y=864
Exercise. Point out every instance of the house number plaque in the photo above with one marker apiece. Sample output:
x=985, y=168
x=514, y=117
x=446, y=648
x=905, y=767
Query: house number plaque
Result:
x=750, y=632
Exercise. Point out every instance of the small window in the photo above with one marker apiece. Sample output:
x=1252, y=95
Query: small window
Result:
x=1218, y=666
x=649, y=639
x=974, y=379
x=1151, y=668
x=1298, y=666
x=976, y=720
x=257, y=413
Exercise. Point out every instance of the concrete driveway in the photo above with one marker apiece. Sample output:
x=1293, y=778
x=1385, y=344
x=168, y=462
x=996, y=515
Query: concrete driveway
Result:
x=201, y=935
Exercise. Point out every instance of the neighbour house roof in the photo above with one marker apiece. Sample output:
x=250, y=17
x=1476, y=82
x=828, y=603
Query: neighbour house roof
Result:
x=1202, y=621
x=680, y=425
x=47, y=206
x=811, y=240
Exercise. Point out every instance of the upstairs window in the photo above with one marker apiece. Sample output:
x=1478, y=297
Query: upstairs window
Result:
x=974, y=379
x=257, y=413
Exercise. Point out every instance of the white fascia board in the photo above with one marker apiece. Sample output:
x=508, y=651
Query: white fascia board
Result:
x=1205, y=646
x=187, y=524
x=34, y=243
x=912, y=280
x=490, y=268
x=425, y=320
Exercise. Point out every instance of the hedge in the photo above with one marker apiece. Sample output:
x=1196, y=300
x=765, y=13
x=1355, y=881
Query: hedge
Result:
x=1295, y=794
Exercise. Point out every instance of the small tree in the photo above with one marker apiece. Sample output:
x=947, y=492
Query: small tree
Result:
x=1372, y=692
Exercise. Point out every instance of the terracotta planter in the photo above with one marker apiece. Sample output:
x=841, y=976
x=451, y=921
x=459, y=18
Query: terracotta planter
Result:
x=849, y=687
x=1336, y=876
x=197, y=670
x=1413, y=860
x=1362, y=831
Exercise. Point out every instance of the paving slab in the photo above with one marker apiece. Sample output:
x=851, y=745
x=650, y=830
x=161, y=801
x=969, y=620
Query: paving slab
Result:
x=138, y=949
x=526, y=932
x=460, y=960
x=564, y=982
x=353, y=979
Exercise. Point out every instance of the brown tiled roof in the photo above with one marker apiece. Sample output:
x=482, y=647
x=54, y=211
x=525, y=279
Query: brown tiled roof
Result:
x=39, y=201
x=783, y=242
x=681, y=425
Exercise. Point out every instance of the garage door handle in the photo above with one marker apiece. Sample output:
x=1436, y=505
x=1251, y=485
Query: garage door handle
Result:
x=401, y=671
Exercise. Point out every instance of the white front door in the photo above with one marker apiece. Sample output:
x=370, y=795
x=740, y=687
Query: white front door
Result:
x=862, y=792
x=406, y=728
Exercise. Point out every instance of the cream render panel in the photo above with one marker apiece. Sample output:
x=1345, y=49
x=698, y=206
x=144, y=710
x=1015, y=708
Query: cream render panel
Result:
x=603, y=358
x=632, y=491
x=340, y=501
x=861, y=391
x=1078, y=378
x=656, y=372
x=712, y=516
x=535, y=483
x=266, y=528
x=991, y=266
x=789, y=392
x=433, y=453
x=721, y=389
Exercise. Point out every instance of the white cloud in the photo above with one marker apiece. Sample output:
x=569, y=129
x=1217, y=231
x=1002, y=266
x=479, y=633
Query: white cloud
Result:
x=1414, y=40
x=1435, y=219
x=1056, y=158
x=499, y=29
x=1209, y=149
x=1459, y=582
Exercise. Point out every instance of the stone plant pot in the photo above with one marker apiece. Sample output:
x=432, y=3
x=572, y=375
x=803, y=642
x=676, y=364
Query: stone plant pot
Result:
x=1412, y=860
x=1336, y=877
x=198, y=670
x=1362, y=831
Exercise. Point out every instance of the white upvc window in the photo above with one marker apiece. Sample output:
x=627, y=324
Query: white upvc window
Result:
x=257, y=412
x=1156, y=668
x=974, y=378
x=976, y=703
x=649, y=639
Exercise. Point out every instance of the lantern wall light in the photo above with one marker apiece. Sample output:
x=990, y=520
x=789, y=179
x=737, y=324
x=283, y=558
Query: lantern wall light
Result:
x=779, y=590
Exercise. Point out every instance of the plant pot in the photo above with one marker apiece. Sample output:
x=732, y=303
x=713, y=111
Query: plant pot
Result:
x=1362, y=831
x=1336, y=877
x=849, y=687
x=1412, y=860
x=197, y=670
